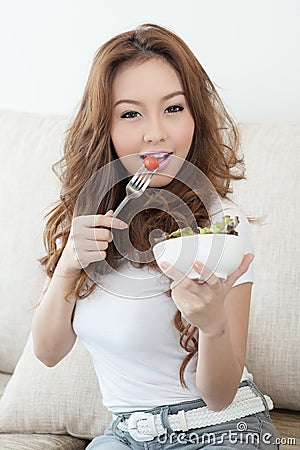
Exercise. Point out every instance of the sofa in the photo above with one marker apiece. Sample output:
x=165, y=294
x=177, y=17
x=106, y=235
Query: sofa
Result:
x=61, y=407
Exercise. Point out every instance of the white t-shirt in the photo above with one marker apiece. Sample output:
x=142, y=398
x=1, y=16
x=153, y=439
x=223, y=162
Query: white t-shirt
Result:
x=127, y=326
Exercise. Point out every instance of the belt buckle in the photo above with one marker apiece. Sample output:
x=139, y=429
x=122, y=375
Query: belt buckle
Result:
x=132, y=426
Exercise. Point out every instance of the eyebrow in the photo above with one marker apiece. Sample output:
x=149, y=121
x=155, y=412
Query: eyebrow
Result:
x=135, y=102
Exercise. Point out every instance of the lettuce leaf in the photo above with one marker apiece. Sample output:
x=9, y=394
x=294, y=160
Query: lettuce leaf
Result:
x=226, y=226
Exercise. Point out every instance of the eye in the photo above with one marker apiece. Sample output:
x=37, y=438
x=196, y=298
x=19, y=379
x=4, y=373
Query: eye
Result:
x=174, y=109
x=129, y=115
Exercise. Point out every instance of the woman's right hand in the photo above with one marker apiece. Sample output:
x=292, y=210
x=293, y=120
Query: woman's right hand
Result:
x=87, y=242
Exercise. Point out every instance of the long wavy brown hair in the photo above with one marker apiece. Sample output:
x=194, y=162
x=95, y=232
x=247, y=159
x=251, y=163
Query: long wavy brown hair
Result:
x=88, y=148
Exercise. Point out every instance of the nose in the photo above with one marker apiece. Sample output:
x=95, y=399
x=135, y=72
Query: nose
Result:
x=155, y=131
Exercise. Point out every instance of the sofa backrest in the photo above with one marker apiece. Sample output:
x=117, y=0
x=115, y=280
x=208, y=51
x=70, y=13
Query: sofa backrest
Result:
x=29, y=145
x=272, y=191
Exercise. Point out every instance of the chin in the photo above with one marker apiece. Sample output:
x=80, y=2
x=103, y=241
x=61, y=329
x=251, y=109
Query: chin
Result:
x=160, y=180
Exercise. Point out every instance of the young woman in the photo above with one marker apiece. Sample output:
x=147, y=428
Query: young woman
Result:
x=169, y=351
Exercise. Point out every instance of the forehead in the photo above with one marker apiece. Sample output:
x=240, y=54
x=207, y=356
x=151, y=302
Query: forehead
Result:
x=152, y=78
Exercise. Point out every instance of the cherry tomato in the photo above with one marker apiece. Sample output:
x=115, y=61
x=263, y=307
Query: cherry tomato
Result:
x=151, y=163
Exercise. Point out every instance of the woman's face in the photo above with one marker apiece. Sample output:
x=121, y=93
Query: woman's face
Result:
x=150, y=113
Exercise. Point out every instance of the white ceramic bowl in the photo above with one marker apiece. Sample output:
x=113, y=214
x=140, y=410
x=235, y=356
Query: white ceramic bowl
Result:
x=221, y=253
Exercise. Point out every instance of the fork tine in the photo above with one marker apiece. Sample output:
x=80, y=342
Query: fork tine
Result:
x=136, y=186
x=141, y=171
x=136, y=175
x=142, y=180
x=146, y=181
x=148, y=177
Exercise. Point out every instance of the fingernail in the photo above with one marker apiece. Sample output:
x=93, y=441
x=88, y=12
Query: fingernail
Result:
x=163, y=265
x=123, y=225
x=198, y=265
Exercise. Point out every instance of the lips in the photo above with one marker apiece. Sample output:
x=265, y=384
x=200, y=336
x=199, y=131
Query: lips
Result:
x=163, y=157
x=159, y=154
x=164, y=162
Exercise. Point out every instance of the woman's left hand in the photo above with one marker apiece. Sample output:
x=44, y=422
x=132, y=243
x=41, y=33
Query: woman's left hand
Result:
x=202, y=304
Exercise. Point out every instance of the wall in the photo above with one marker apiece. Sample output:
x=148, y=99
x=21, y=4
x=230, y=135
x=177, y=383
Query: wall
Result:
x=249, y=48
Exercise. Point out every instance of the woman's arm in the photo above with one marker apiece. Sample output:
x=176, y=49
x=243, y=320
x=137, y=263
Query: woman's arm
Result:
x=221, y=355
x=221, y=313
x=52, y=332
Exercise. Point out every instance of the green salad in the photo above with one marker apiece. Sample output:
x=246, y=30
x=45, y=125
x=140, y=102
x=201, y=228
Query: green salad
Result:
x=226, y=226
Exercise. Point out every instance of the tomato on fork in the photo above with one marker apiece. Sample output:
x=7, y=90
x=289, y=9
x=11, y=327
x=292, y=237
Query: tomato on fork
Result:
x=151, y=163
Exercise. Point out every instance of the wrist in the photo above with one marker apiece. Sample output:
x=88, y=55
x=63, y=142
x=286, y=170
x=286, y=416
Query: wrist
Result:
x=63, y=271
x=65, y=275
x=216, y=330
x=214, y=334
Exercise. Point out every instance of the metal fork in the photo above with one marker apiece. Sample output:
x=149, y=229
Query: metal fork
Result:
x=136, y=186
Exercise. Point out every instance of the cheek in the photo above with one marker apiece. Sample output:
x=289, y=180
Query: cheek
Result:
x=184, y=134
x=125, y=141
x=126, y=144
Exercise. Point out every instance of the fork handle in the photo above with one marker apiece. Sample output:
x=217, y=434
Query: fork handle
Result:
x=121, y=205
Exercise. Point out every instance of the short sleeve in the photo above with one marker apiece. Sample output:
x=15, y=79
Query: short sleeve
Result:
x=243, y=229
x=58, y=243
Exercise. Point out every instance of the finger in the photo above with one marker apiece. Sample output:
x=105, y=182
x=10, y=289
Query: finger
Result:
x=91, y=246
x=98, y=220
x=179, y=278
x=183, y=299
x=205, y=274
x=99, y=234
x=94, y=256
x=171, y=271
x=243, y=267
x=99, y=245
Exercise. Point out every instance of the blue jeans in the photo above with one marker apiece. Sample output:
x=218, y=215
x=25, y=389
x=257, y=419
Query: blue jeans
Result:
x=251, y=432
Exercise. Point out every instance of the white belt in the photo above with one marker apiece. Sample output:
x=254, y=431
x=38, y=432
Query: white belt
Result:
x=144, y=426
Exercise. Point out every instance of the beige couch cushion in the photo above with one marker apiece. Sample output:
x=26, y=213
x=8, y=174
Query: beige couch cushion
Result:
x=272, y=190
x=64, y=399
x=29, y=145
x=41, y=442
x=4, y=379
